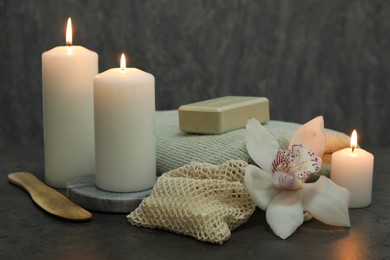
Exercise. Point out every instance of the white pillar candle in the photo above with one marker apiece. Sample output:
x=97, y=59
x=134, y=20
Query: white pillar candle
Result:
x=124, y=107
x=353, y=168
x=67, y=82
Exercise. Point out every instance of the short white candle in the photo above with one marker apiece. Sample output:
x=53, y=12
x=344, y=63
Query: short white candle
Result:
x=67, y=84
x=353, y=168
x=124, y=105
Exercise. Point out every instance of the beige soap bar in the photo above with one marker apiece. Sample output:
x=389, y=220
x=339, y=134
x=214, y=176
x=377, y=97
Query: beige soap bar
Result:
x=219, y=115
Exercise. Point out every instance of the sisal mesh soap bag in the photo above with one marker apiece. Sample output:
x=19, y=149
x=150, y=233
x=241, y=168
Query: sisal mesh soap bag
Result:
x=201, y=200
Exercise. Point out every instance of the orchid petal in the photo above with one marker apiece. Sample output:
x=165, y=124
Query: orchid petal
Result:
x=327, y=202
x=285, y=213
x=311, y=136
x=260, y=186
x=262, y=146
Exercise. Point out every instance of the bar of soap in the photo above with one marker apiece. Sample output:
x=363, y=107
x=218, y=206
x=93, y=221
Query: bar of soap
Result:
x=219, y=115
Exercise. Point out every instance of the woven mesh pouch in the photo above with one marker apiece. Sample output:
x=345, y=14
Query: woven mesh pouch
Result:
x=201, y=200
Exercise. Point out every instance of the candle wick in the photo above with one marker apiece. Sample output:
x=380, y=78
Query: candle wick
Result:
x=69, y=44
x=353, y=148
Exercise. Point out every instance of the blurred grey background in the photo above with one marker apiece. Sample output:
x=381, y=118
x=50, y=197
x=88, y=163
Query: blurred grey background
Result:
x=309, y=57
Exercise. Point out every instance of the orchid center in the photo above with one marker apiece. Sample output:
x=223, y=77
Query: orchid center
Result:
x=291, y=168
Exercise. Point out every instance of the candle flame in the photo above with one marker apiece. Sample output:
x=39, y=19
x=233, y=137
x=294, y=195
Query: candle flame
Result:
x=353, y=143
x=123, y=62
x=69, y=32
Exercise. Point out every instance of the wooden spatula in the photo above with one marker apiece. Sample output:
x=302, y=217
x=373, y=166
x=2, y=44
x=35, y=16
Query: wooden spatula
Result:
x=49, y=199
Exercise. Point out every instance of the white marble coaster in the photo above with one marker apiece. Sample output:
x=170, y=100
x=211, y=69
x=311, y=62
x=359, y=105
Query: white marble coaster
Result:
x=83, y=191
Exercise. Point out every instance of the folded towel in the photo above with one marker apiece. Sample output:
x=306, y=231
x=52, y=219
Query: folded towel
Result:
x=176, y=148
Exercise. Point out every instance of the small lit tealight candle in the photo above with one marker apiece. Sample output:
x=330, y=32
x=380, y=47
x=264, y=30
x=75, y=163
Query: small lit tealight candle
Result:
x=353, y=168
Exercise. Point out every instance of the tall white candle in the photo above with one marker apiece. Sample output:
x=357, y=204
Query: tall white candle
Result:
x=67, y=81
x=352, y=168
x=124, y=105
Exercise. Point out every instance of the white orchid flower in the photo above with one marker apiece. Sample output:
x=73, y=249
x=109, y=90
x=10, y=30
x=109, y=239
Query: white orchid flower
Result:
x=279, y=187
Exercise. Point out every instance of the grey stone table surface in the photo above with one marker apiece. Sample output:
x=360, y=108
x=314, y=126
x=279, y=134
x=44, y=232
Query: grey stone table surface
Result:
x=28, y=232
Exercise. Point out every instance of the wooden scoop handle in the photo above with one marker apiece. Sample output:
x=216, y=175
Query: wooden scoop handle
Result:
x=49, y=199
